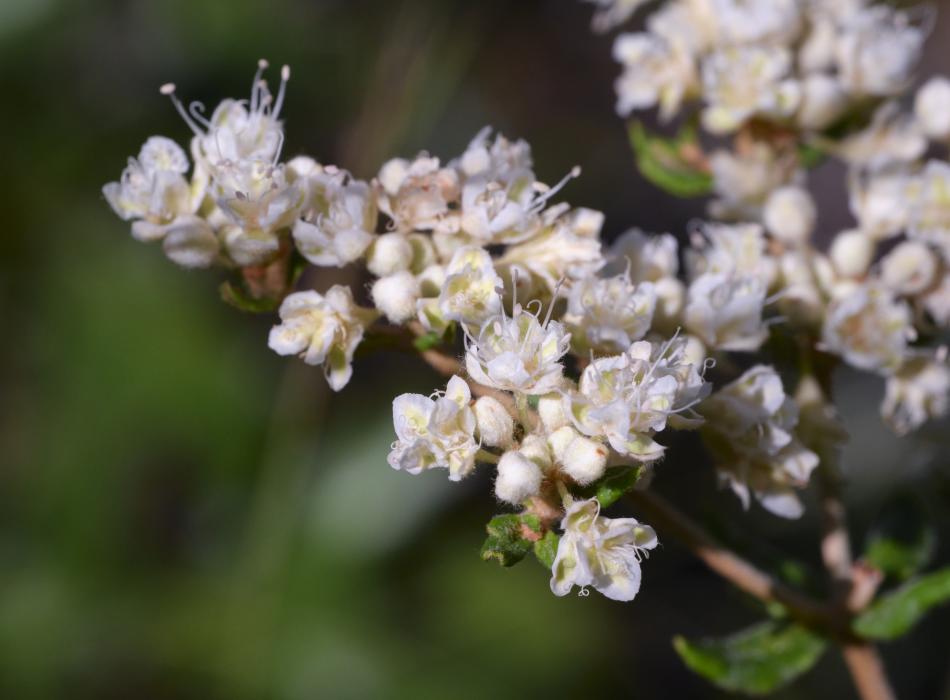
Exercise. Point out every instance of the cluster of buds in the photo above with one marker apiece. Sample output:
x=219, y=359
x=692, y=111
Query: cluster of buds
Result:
x=576, y=359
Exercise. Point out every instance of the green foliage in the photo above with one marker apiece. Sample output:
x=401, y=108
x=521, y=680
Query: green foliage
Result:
x=545, y=549
x=608, y=489
x=663, y=161
x=427, y=341
x=506, y=542
x=902, y=542
x=757, y=660
x=893, y=614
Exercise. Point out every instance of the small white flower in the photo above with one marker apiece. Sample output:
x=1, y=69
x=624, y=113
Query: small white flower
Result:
x=607, y=315
x=932, y=108
x=601, y=552
x=495, y=425
x=249, y=247
x=322, y=329
x=744, y=180
x=725, y=312
x=878, y=51
x=518, y=478
x=629, y=398
x=930, y=206
x=518, y=353
x=470, y=293
x=910, y=268
x=613, y=13
x=742, y=82
x=790, y=215
x=774, y=22
x=390, y=253
x=648, y=257
x=879, y=201
x=435, y=432
x=500, y=161
x=656, y=72
x=892, y=138
x=823, y=101
x=916, y=393
x=725, y=249
x=190, y=242
x=396, y=295
x=749, y=428
x=851, y=253
x=869, y=328
x=256, y=194
x=416, y=194
x=342, y=225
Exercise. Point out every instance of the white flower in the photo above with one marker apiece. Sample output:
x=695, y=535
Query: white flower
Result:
x=190, y=242
x=500, y=161
x=749, y=428
x=607, y=315
x=495, y=425
x=582, y=459
x=916, y=393
x=435, y=432
x=470, y=293
x=153, y=191
x=322, y=329
x=518, y=353
x=601, y=552
x=823, y=101
x=744, y=180
x=648, y=257
x=869, y=328
x=256, y=194
x=396, y=295
x=932, y=108
x=416, y=194
x=851, y=253
x=891, y=138
x=628, y=398
x=613, y=13
x=930, y=206
x=757, y=21
x=790, y=215
x=742, y=82
x=879, y=201
x=878, y=51
x=342, y=226
x=518, y=478
x=725, y=249
x=249, y=247
x=910, y=268
x=656, y=72
x=390, y=253
x=689, y=24
x=725, y=312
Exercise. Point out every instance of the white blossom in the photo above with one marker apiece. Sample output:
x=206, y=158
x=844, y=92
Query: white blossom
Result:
x=744, y=180
x=930, y=206
x=892, y=138
x=869, y=328
x=518, y=478
x=656, y=72
x=416, y=194
x=435, y=432
x=649, y=258
x=190, y=242
x=750, y=429
x=470, y=293
x=256, y=194
x=725, y=312
x=773, y=22
x=725, y=249
x=495, y=424
x=607, y=315
x=824, y=101
x=342, y=226
x=910, y=268
x=396, y=296
x=322, y=329
x=601, y=552
x=916, y=393
x=851, y=253
x=932, y=108
x=790, y=215
x=879, y=201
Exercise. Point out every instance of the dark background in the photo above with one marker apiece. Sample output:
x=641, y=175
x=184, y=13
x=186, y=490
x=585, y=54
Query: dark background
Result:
x=184, y=514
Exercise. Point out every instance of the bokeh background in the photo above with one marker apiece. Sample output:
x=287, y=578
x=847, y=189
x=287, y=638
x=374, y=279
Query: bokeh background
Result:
x=184, y=514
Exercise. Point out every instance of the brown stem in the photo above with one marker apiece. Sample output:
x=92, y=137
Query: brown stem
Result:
x=867, y=672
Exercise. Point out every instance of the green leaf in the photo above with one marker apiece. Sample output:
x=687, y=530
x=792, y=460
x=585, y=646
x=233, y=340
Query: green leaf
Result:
x=427, y=341
x=902, y=541
x=662, y=161
x=893, y=614
x=506, y=543
x=616, y=483
x=756, y=661
x=545, y=549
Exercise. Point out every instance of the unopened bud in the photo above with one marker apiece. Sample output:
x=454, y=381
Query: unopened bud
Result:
x=518, y=478
x=910, y=268
x=584, y=460
x=390, y=252
x=495, y=426
x=851, y=253
x=932, y=108
x=551, y=412
x=395, y=295
x=789, y=215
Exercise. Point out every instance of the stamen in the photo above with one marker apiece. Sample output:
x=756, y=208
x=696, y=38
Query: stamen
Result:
x=262, y=65
x=168, y=89
x=196, y=110
x=284, y=77
x=539, y=202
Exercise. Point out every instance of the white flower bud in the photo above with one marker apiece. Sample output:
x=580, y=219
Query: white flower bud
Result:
x=910, y=268
x=551, y=412
x=391, y=252
x=694, y=351
x=535, y=448
x=790, y=214
x=851, y=253
x=560, y=439
x=670, y=299
x=518, y=478
x=932, y=108
x=584, y=460
x=395, y=295
x=823, y=101
x=190, y=242
x=495, y=426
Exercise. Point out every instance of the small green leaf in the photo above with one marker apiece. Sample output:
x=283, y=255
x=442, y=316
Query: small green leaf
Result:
x=545, y=549
x=662, y=161
x=616, y=483
x=427, y=341
x=893, y=614
x=902, y=542
x=235, y=295
x=756, y=661
x=506, y=543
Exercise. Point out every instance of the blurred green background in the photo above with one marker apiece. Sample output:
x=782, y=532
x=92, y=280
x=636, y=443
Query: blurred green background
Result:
x=185, y=514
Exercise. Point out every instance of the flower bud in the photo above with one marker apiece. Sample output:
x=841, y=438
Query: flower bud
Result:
x=191, y=243
x=551, y=412
x=694, y=351
x=495, y=426
x=584, y=460
x=390, y=252
x=535, y=448
x=851, y=253
x=823, y=101
x=910, y=268
x=932, y=108
x=670, y=300
x=518, y=478
x=395, y=295
x=790, y=214
x=560, y=439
